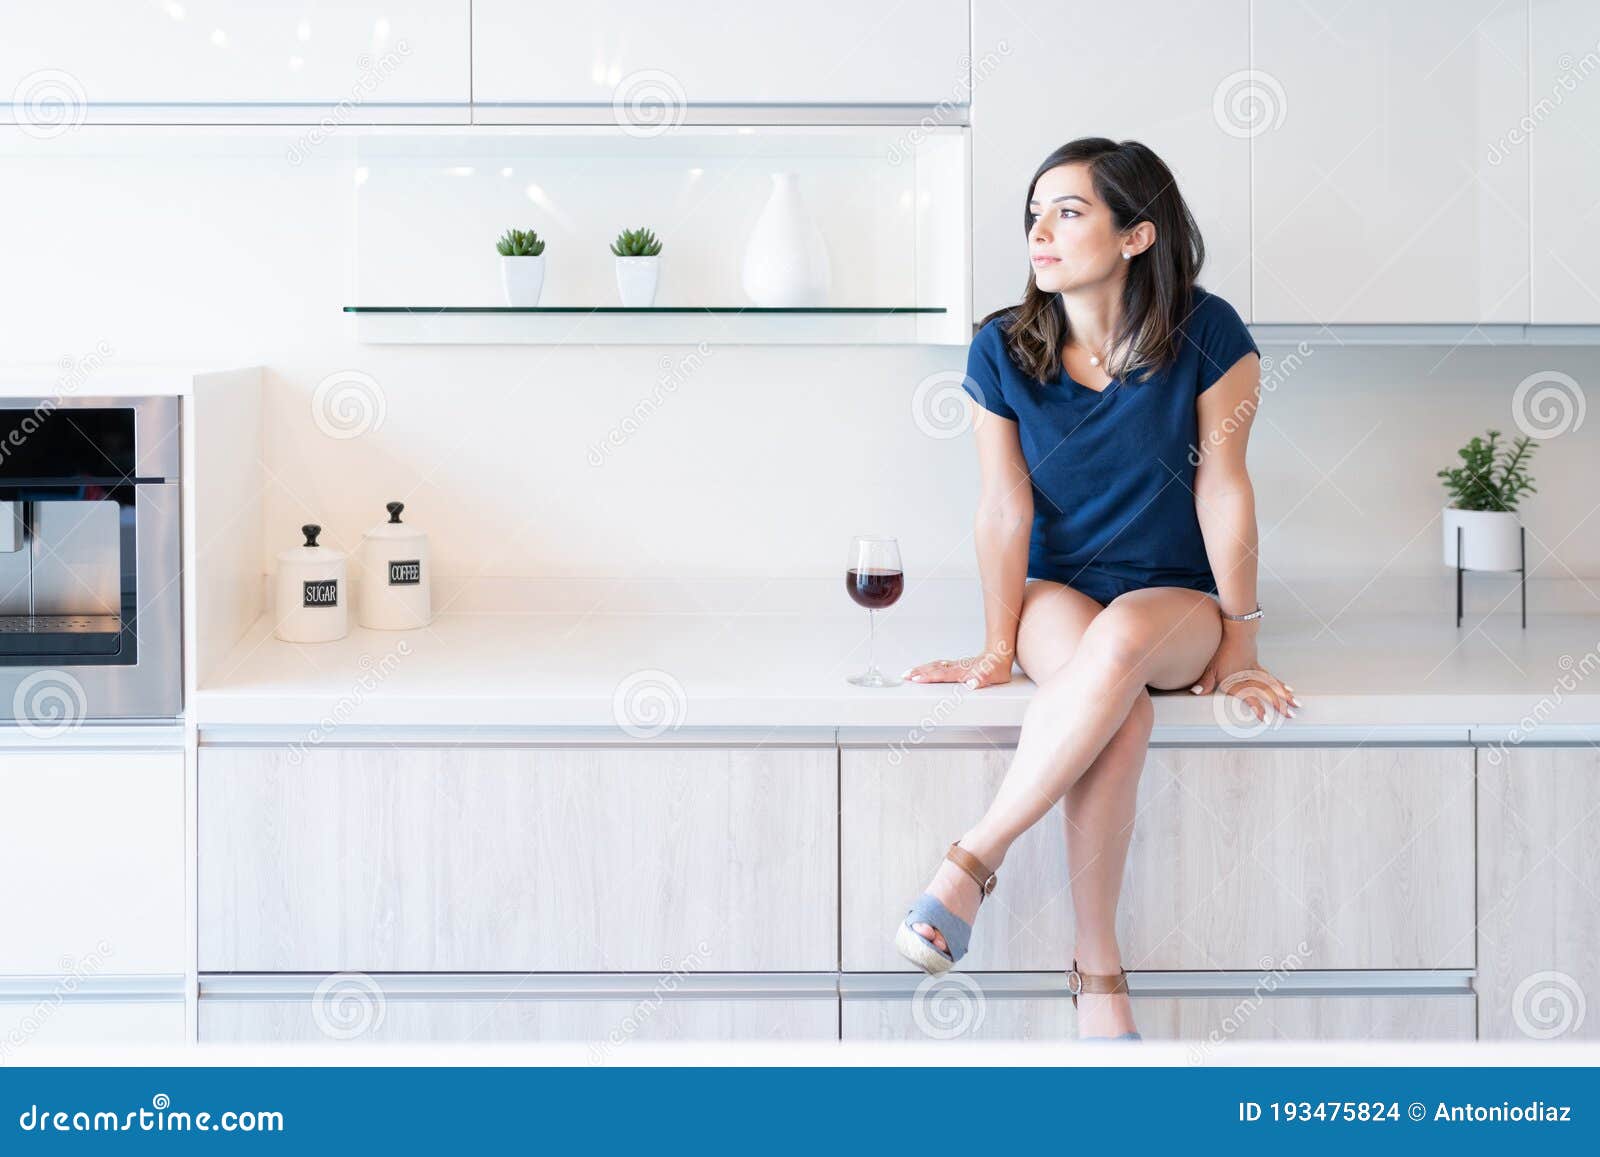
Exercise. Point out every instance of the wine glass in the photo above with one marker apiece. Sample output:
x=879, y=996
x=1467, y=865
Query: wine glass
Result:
x=875, y=581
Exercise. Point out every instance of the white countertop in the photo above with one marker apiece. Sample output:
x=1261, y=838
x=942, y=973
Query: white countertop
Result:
x=1399, y=674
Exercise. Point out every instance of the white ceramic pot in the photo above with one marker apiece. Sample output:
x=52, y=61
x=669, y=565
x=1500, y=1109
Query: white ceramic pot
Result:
x=1490, y=539
x=522, y=278
x=310, y=603
x=636, y=279
x=786, y=259
x=395, y=570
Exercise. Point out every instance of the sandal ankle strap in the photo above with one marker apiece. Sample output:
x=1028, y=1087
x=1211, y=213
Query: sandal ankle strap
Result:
x=974, y=867
x=1095, y=982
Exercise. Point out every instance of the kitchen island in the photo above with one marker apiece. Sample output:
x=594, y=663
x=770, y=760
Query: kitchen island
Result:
x=522, y=824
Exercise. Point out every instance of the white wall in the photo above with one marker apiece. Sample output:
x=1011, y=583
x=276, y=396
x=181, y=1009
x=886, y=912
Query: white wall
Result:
x=167, y=245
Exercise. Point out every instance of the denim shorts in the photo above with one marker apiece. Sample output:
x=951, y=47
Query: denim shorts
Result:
x=1103, y=588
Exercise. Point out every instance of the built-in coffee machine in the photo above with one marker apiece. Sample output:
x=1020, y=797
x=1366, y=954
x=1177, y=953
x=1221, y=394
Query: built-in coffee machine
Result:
x=90, y=595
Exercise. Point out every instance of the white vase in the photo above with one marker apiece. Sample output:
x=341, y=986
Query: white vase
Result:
x=1490, y=539
x=786, y=259
x=522, y=278
x=636, y=279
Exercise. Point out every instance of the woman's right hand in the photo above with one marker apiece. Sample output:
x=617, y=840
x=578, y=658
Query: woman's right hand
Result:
x=988, y=669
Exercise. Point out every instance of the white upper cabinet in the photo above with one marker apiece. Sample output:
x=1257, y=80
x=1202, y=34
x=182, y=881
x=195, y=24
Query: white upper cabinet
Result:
x=91, y=59
x=675, y=56
x=1387, y=191
x=1562, y=142
x=1149, y=70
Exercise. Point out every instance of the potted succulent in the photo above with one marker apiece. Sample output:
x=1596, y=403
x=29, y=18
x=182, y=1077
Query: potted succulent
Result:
x=521, y=266
x=638, y=265
x=1484, y=490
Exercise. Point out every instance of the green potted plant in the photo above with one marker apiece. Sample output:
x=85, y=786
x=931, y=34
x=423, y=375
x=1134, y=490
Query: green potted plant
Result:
x=521, y=266
x=1484, y=491
x=638, y=261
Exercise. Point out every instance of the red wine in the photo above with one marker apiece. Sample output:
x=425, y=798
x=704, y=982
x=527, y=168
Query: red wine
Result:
x=873, y=587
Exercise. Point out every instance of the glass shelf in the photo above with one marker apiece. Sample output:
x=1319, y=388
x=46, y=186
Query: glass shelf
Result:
x=732, y=309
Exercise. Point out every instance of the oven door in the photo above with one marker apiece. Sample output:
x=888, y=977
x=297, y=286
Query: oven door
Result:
x=91, y=605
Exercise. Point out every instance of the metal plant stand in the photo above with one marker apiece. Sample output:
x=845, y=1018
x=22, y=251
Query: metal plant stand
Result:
x=1522, y=573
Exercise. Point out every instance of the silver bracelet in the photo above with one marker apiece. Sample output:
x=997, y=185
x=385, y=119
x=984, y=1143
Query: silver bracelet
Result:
x=1255, y=614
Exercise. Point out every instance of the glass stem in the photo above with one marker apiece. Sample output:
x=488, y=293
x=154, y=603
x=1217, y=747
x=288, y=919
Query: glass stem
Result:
x=872, y=662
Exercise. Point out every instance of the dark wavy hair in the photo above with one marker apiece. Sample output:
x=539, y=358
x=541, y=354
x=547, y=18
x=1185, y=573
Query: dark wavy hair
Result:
x=1136, y=186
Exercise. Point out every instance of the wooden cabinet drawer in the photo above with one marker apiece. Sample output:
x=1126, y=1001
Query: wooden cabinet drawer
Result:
x=1242, y=858
x=1202, y=1020
x=607, y=1011
x=1538, y=893
x=517, y=859
x=607, y=1024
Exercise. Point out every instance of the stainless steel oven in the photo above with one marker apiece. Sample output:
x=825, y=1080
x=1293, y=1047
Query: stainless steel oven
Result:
x=90, y=569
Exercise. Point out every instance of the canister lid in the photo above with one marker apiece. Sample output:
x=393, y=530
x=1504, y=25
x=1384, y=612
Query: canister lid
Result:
x=311, y=550
x=394, y=528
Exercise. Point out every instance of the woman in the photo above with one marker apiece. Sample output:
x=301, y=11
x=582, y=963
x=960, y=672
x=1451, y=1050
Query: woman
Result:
x=1116, y=536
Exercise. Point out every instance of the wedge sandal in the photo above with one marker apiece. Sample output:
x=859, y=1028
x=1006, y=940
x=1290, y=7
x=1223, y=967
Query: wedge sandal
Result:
x=1098, y=982
x=926, y=909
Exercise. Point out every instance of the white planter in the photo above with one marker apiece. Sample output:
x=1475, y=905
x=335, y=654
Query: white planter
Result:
x=786, y=259
x=522, y=278
x=1490, y=539
x=636, y=279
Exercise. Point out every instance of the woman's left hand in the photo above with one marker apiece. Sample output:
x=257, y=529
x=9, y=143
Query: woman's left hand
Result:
x=1236, y=670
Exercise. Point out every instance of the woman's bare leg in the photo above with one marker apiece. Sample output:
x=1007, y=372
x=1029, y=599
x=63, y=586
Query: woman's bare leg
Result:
x=1160, y=636
x=1098, y=810
x=1052, y=620
x=1099, y=813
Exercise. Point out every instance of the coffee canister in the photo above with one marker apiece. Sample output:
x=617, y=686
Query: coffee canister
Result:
x=394, y=591
x=312, y=604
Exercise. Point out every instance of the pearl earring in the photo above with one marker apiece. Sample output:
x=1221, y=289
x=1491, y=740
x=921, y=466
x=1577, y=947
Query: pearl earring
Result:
x=1125, y=256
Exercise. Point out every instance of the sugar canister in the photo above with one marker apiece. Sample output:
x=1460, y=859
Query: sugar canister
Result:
x=311, y=604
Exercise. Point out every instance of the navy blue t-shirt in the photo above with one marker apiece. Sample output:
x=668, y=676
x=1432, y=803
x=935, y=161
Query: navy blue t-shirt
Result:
x=1113, y=481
